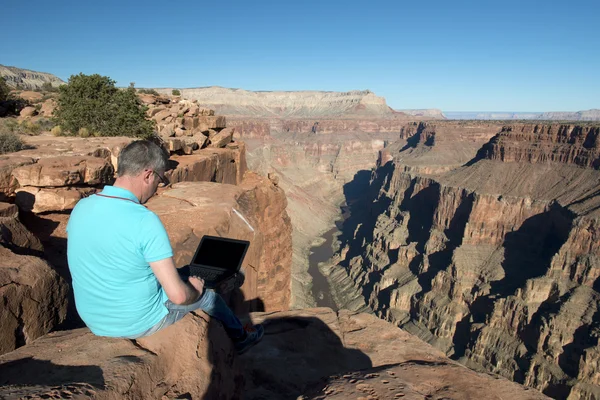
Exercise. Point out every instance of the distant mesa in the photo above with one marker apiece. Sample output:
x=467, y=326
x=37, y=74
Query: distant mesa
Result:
x=587, y=115
x=425, y=113
x=27, y=79
x=293, y=104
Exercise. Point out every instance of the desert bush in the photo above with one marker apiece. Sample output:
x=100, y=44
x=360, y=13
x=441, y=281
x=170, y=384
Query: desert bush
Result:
x=29, y=128
x=9, y=125
x=83, y=132
x=10, y=142
x=46, y=124
x=93, y=102
x=4, y=90
x=176, y=92
x=56, y=131
x=47, y=87
x=148, y=91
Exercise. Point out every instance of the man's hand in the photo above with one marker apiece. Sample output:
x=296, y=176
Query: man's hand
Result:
x=178, y=291
x=233, y=282
x=197, y=283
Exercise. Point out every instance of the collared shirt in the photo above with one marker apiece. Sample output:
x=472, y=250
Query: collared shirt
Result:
x=111, y=242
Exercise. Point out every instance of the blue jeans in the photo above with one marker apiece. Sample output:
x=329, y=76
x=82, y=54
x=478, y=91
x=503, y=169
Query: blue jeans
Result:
x=211, y=303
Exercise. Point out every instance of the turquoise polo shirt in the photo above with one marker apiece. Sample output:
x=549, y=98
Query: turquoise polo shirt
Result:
x=111, y=242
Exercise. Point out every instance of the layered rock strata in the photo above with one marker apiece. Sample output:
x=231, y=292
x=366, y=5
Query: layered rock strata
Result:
x=312, y=170
x=496, y=262
x=287, y=104
x=333, y=355
x=27, y=79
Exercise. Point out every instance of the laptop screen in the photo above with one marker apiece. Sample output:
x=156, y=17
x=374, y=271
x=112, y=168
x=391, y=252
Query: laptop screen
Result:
x=220, y=253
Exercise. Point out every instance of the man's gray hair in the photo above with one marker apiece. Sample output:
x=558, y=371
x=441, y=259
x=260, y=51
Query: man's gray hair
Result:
x=140, y=155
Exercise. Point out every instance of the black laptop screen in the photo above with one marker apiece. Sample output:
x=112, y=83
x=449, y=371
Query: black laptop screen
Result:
x=220, y=253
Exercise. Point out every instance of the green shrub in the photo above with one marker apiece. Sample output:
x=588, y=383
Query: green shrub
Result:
x=176, y=92
x=10, y=142
x=9, y=125
x=30, y=128
x=83, y=132
x=46, y=124
x=47, y=87
x=148, y=91
x=93, y=102
x=56, y=131
x=4, y=90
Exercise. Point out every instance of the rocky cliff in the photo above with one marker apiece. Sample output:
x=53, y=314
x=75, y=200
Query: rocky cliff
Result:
x=495, y=262
x=27, y=79
x=307, y=354
x=312, y=170
x=211, y=188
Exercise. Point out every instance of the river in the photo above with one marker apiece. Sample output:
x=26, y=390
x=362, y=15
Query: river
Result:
x=323, y=253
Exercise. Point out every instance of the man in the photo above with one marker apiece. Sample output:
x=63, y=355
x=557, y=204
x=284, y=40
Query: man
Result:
x=124, y=277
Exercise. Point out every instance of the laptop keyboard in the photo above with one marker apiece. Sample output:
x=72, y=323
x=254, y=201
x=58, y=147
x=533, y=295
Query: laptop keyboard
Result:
x=205, y=274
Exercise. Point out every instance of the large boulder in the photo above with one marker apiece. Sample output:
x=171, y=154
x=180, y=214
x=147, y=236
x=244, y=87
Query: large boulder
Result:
x=65, y=171
x=147, y=98
x=204, y=123
x=38, y=200
x=28, y=112
x=192, y=359
x=32, y=96
x=48, y=108
x=34, y=299
x=222, y=138
x=254, y=211
x=214, y=165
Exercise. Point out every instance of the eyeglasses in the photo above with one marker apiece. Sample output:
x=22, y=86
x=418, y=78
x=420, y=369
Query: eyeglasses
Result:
x=164, y=182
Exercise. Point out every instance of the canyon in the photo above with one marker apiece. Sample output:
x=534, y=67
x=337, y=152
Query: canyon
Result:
x=476, y=241
x=493, y=260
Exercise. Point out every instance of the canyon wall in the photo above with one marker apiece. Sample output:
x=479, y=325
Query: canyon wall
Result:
x=312, y=171
x=495, y=262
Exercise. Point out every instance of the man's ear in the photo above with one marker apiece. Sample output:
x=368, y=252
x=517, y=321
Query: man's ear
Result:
x=147, y=174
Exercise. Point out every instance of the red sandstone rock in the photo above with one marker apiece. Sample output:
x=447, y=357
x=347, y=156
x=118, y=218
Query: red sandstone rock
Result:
x=8, y=183
x=209, y=209
x=39, y=200
x=147, y=98
x=348, y=355
x=568, y=144
x=191, y=358
x=28, y=112
x=31, y=96
x=210, y=165
x=34, y=300
x=13, y=234
x=222, y=138
x=48, y=108
x=65, y=171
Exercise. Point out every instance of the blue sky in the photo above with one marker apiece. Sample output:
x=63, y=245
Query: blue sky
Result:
x=453, y=55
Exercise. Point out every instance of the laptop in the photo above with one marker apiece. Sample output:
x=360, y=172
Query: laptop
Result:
x=216, y=260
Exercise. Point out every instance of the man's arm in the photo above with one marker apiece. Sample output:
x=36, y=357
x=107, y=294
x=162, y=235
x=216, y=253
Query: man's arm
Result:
x=178, y=291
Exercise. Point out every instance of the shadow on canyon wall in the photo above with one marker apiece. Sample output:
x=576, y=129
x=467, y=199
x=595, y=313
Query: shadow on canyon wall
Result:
x=528, y=253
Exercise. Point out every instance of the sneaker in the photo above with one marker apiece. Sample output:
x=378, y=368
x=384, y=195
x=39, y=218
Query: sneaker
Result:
x=254, y=334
